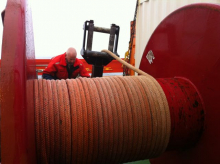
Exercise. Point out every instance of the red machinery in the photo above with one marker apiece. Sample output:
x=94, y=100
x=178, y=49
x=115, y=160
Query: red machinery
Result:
x=113, y=67
x=186, y=44
x=186, y=65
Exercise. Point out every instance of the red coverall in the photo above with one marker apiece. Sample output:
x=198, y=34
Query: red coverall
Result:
x=57, y=69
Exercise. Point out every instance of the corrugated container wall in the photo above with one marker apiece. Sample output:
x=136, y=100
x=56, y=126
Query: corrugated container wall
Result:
x=150, y=13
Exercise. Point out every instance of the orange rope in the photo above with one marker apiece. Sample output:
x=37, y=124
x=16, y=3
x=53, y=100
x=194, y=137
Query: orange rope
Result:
x=61, y=122
x=56, y=127
x=100, y=120
x=51, y=121
x=159, y=94
x=68, y=140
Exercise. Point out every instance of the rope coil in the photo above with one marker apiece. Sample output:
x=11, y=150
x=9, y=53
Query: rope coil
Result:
x=100, y=120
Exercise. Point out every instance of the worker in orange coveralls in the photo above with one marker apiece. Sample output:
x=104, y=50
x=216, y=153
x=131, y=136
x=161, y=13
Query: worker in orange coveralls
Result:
x=65, y=66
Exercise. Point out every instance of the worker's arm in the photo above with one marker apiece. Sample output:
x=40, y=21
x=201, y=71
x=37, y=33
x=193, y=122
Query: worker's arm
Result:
x=49, y=72
x=83, y=71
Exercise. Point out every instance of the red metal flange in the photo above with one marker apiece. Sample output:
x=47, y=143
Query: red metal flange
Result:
x=186, y=110
x=186, y=44
x=17, y=66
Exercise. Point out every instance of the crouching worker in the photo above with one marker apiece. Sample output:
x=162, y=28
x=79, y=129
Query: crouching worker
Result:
x=65, y=66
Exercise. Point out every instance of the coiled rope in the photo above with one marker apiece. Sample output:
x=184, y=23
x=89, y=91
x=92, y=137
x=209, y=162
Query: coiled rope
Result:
x=100, y=120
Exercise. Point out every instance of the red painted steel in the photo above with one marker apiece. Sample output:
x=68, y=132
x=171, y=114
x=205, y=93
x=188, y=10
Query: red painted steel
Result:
x=186, y=44
x=187, y=113
x=112, y=67
x=17, y=137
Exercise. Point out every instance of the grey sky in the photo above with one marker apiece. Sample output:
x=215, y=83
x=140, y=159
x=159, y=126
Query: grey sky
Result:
x=58, y=24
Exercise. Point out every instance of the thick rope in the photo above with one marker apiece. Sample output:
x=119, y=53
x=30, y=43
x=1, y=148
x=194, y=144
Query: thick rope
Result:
x=125, y=63
x=157, y=89
x=100, y=120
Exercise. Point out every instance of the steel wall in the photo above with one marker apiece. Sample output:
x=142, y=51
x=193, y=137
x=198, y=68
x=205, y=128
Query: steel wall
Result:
x=150, y=13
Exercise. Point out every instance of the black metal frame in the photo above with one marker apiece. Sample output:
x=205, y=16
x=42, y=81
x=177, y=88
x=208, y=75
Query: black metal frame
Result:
x=3, y=16
x=99, y=59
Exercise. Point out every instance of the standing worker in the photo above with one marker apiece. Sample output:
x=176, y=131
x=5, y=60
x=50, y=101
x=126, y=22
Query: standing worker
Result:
x=65, y=66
